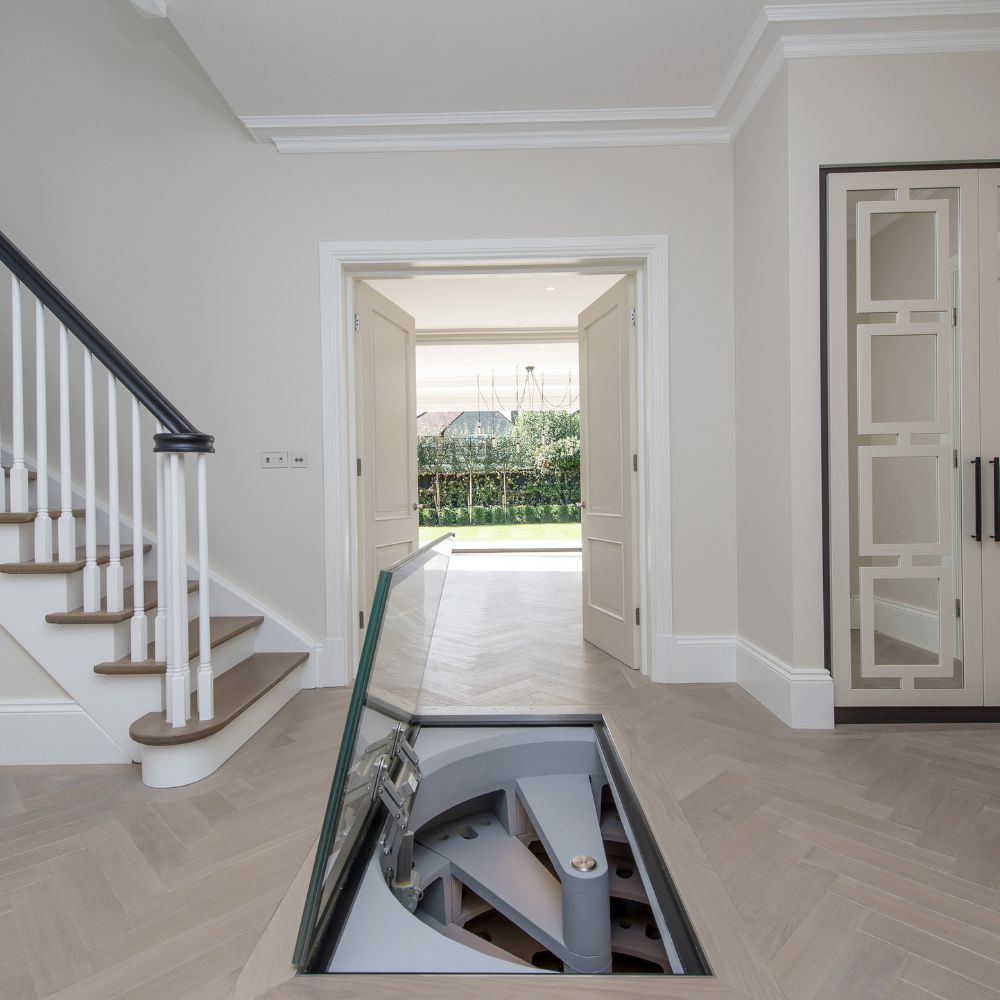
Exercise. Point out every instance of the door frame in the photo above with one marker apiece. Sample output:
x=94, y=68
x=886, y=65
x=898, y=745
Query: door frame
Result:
x=342, y=263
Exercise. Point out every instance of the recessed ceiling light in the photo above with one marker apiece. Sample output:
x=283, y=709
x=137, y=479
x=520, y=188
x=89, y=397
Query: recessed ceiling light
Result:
x=551, y=288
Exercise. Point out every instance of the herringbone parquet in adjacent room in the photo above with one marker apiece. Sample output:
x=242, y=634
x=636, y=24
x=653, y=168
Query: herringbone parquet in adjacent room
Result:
x=861, y=864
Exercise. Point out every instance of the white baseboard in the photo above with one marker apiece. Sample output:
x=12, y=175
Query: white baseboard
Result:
x=331, y=663
x=693, y=659
x=53, y=732
x=906, y=622
x=801, y=698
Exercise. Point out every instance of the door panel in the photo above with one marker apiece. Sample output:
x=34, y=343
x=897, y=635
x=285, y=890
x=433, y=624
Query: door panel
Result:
x=606, y=333
x=906, y=594
x=989, y=269
x=385, y=354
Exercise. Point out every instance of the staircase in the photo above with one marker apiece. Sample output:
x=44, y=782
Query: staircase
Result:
x=169, y=684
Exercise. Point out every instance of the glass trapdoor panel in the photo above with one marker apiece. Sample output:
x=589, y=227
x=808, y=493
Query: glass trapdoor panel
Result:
x=903, y=374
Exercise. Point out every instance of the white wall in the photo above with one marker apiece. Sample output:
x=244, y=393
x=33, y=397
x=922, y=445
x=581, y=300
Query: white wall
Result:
x=760, y=178
x=900, y=109
x=22, y=677
x=127, y=179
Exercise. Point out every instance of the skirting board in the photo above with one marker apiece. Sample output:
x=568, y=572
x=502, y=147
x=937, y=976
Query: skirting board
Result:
x=53, y=732
x=906, y=622
x=801, y=698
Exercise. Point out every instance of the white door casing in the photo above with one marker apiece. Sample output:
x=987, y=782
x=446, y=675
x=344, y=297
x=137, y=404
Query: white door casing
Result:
x=387, y=435
x=607, y=487
x=915, y=507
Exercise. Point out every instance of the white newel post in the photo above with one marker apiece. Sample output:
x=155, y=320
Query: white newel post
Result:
x=206, y=699
x=139, y=639
x=178, y=674
x=43, y=523
x=91, y=571
x=67, y=522
x=115, y=576
x=162, y=556
x=18, y=470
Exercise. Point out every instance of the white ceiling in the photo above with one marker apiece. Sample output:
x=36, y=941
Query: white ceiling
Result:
x=504, y=302
x=316, y=75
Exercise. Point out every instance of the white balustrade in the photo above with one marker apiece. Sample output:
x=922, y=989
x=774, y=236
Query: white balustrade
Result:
x=18, y=470
x=67, y=521
x=162, y=556
x=139, y=639
x=43, y=523
x=170, y=625
x=206, y=701
x=115, y=577
x=91, y=571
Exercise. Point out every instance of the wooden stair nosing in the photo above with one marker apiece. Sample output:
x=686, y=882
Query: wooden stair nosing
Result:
x=223, y=628
x=32, y=475
x=29, y=516
x=235, y=691
x=104, y=617
x=31, y=568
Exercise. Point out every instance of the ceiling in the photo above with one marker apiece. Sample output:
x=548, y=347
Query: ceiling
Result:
x=503, y=302
x=314, y=75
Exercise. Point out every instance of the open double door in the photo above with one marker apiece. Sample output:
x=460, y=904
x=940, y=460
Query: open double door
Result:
x=386, y=466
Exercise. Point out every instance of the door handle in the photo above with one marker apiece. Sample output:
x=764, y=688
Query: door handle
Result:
x=995, y=462
x=977, y=463
x=416, y=506
x=583, y=505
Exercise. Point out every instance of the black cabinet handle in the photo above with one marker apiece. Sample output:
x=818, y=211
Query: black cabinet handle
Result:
x=995, y=462
x=978, y=463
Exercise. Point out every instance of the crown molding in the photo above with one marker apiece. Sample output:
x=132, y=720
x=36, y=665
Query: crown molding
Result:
x=479, y=335
x=440, y=141
x=582, y=128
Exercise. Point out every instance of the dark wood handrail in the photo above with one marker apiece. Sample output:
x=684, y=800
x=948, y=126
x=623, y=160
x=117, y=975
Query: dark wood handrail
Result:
x=180, y=435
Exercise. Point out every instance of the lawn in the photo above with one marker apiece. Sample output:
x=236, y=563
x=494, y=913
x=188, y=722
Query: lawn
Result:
x=506, y=533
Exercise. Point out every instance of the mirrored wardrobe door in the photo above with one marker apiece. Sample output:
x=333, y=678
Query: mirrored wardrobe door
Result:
x=903, y=379
x=989, y=270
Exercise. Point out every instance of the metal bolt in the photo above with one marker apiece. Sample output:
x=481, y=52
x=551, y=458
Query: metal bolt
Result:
x=584, y=863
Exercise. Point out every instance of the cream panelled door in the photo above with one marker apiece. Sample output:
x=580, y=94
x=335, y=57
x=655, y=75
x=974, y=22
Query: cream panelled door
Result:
x=989, y=320
x=385, y=363
x=607, y=339
x=906, y=520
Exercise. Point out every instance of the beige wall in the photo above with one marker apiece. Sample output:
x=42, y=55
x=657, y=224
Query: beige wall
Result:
x=901, y=109
x=760, y=178
x=134, y=187
x=23, y=677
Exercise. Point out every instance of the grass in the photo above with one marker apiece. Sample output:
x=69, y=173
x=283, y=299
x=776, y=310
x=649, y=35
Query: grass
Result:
x=505, y=533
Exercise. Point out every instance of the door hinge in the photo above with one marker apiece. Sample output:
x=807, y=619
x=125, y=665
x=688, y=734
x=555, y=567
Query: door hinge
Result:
x=357, y=323
x=954, y=459
x=954, y=315
x=633, y=315
x=958, y=608
x=359, y=466
x=637, y=616
x=635, y=462
x=361, y=619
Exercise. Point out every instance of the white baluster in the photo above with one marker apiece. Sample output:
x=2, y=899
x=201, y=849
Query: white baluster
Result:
x=67, y=522
x=178, y=674
x=206, y=699
x=91, y=571
x=43, y=523
x=18, y=470
x=162, y=557
x=139, y=636
x=3, y=468
x=115, y=575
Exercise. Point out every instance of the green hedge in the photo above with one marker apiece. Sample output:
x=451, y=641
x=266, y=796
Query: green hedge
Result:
x=546, y=513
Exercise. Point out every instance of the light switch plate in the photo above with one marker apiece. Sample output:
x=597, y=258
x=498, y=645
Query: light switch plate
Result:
x=300, y=460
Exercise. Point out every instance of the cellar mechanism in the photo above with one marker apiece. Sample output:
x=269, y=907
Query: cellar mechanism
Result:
x=467, y=845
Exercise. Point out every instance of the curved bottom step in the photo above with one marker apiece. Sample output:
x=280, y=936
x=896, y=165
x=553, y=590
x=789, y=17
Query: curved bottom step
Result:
x=246, y=697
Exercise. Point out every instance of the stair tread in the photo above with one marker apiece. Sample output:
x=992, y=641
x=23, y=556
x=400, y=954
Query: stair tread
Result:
x=221, y=629
x=28, y=516
x=104, y=617
x=103, y=557
x=235, y=691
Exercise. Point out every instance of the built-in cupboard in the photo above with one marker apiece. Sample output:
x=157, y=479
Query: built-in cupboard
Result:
x=912, y=432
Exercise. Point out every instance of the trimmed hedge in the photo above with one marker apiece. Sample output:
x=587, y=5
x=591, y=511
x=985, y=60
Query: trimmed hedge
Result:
x=545, y=513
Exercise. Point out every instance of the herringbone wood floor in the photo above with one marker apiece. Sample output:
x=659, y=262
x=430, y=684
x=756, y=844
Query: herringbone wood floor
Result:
x=855, y=865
